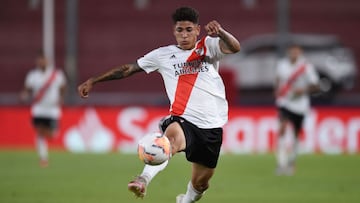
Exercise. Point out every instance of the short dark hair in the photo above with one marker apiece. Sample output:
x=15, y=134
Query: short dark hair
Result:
x=40, y=53
x=293, y=45
x=186, y=14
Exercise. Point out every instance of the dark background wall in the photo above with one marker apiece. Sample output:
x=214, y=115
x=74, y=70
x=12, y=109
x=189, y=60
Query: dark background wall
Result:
x=113, y=32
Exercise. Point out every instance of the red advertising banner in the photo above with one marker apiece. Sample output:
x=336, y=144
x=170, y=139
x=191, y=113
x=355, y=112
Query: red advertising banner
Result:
x=249, y=130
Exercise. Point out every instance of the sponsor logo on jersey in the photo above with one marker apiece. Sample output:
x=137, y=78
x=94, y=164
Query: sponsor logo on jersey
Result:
x=190, y=67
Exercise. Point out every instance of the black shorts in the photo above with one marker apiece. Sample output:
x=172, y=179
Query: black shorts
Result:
x=202, y=145
x=295, y=119
x=45, y=122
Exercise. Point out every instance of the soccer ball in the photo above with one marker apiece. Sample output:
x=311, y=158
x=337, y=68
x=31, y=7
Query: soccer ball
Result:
x=154, y=149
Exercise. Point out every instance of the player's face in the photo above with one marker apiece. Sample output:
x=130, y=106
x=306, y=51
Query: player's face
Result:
x=41, y=62
x=294, y=53
x=186, y=34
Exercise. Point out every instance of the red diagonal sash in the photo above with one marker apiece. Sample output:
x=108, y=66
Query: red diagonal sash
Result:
x=44, y=88
x=284, y=89
x=186, y=82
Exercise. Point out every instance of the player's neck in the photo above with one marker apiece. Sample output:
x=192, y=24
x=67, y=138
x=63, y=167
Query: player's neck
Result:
x=186, y=49
x=42, y=69
x=293, y=61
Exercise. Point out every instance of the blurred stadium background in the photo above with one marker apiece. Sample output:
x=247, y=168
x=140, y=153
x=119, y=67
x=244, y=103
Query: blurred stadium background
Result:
x=91, y=36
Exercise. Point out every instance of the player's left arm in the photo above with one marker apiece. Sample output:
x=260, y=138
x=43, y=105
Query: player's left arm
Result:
x=313, y=88
x=228, y=43
x=310, y=89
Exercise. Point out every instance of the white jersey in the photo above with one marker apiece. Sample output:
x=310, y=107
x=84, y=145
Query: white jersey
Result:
x=49, y=105
x=192, y=82
x=285, y=70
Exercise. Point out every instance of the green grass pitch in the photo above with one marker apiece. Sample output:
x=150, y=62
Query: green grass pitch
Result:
x=91, y=178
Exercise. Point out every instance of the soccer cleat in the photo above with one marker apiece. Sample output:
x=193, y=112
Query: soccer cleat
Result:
x=280, y=171
x=285, y=170
x=138, y=187
x=180, y=198
x=290, y=169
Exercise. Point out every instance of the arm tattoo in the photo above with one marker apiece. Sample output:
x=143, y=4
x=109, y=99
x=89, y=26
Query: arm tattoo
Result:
x=228, y=43
x=120, y=72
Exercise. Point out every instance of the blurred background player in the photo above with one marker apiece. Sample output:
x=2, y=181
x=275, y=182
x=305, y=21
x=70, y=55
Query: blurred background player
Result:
x=296, y=79
x=196, y=91
x=45, y=88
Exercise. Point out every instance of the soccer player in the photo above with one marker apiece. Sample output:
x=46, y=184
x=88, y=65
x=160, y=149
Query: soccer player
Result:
x=45, y=86
x=196, y=92
x=296, y=79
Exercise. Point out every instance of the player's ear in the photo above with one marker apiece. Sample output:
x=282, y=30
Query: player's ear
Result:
x=198, y=29
x=174, y=29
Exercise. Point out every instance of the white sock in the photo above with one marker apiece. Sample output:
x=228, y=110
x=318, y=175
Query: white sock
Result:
x=150, y=172
x=281, y=155
x=191, y=195
x=42, y=148
x=294, y=152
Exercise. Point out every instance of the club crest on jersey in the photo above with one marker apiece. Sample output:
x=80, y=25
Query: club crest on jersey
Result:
x=199, y=51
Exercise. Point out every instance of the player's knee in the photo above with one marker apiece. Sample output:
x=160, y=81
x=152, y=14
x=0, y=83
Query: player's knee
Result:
x=282, y=129
x=297, y=132
x=176, y=137
x=175, y=146
x=281, y=132
x=42, y=131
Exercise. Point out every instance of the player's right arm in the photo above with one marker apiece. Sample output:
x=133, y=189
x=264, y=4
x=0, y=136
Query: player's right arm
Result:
x=276, y=86
x=26, y=93
x=116, y=73
x=277, y=79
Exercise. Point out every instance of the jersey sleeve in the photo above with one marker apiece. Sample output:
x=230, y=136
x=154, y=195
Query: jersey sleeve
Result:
x=212, y=44
x=312, y=75
x=149, y=62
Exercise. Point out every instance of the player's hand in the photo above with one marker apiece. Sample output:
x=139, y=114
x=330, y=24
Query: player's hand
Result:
x=85, y=88
x=213, y=28
x=24, y=96
x=299, y=92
